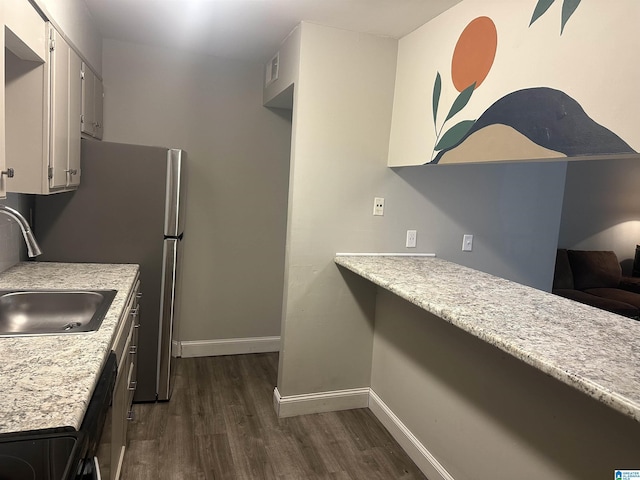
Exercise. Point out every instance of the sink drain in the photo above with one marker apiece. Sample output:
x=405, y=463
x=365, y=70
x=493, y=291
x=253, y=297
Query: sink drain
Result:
x=71, y=326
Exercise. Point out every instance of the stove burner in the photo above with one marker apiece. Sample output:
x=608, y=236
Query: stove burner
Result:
x=13, y=467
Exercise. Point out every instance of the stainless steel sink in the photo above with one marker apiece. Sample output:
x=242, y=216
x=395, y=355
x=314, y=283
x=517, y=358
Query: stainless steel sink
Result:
x=52, y=312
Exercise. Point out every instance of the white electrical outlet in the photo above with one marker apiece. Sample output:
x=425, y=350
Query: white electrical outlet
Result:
x=378, y=206
x=411, y=238
x=467, y=243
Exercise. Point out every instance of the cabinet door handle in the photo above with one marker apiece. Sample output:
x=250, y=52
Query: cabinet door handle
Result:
x=8, y=172
x=72, y=171
x=132, y=386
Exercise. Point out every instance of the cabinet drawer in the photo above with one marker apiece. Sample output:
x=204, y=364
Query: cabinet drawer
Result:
x=131, y=389
x=129, y=320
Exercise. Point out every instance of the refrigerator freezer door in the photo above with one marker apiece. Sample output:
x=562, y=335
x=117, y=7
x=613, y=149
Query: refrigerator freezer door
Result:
x=170, y=286
x=174, y=210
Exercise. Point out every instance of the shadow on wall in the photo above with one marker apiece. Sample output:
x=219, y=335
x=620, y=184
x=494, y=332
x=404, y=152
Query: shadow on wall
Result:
x=601, y=209
x=512, y=209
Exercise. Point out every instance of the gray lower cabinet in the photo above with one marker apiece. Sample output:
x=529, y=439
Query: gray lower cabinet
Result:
x=114, y=437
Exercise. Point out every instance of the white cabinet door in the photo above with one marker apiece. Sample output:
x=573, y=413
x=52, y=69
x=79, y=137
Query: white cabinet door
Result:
x=23, y=34
x=3, y=178
x=66, y=105
x=99, y=104
x=92, y=98
x=75, y=107
x=88, y=101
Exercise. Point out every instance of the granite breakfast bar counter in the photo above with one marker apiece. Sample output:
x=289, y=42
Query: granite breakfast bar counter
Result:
x=47, y=381
x=495, y=379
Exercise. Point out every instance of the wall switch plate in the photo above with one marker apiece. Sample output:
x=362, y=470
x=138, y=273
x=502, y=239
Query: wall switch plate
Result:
x=378, y=206
x=467, y=243
x=411, y=238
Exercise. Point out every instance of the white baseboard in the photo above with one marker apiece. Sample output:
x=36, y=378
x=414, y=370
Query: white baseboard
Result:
x=306, y=404
x=422, y=457
x=229, y=346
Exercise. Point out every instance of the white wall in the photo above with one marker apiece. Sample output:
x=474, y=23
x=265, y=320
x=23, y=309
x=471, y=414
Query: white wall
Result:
x=342, y=107
x=238, y=163
x=601, y=209
x=342, y=112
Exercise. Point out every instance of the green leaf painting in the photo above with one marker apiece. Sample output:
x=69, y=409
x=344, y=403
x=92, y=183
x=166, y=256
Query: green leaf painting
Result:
x=568, y=8
x=454, y=135
x=541, y=7
x=461, y=101
x=437, y=88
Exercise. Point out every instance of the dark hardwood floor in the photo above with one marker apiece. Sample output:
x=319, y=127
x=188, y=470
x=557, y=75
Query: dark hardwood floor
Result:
x=220, y=424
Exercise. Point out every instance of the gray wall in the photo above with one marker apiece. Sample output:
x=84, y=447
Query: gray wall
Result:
x=486, y=415
x=342, y=115
x=237, y=178
x=512, y=210
x=602, y=208
x=12, y=246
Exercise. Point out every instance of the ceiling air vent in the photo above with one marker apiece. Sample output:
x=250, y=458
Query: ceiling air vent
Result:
x=272, y=69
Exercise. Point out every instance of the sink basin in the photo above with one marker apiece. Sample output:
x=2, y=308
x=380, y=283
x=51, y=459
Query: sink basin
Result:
x=52, y=312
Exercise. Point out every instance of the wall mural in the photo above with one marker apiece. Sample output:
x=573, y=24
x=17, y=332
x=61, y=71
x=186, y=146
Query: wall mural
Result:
x=536, y=121
x=549, y=118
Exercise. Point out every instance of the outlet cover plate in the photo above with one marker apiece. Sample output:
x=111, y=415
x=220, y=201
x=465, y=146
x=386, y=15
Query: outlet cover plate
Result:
x=411, y=238
x=467, y=243
x=378, y=206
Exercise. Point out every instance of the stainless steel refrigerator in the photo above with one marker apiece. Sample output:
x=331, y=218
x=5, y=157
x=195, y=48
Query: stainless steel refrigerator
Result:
x=129, y=208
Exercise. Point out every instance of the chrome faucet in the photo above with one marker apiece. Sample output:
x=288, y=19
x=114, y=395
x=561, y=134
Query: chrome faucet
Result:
x=33, y=249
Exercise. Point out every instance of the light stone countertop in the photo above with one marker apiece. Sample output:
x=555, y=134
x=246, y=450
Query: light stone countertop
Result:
x=47, y=381
x=595, y=351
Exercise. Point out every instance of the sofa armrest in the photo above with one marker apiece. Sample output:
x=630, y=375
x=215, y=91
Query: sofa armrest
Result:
x=631, y=284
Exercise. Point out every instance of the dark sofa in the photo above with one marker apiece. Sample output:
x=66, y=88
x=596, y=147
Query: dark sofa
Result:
x=595, y=278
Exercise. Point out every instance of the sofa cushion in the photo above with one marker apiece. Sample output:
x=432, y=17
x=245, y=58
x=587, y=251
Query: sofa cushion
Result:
x=594, y=269
x=615, y=306
x=631, y=284
x=616, y=294
x=562, y=277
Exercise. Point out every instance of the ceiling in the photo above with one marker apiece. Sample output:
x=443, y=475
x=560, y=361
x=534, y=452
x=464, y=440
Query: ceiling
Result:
x=251, y=29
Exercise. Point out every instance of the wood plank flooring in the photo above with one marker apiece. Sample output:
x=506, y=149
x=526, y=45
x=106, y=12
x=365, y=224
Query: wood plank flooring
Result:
x=220, y=424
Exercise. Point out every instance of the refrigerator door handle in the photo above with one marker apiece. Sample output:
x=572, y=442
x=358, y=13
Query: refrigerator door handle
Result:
x=174, y=208
x=167, y=316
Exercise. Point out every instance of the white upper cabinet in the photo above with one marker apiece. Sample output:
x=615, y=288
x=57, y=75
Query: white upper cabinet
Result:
x=92, y=98
x=42, y=114
x=66, y=100
x=23, y=56
x=25, y=35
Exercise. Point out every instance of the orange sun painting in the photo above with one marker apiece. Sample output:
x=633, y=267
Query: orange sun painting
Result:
x=470, y=64
x=474, y=53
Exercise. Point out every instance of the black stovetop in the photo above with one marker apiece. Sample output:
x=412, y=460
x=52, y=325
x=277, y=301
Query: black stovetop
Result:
x=40, y=456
